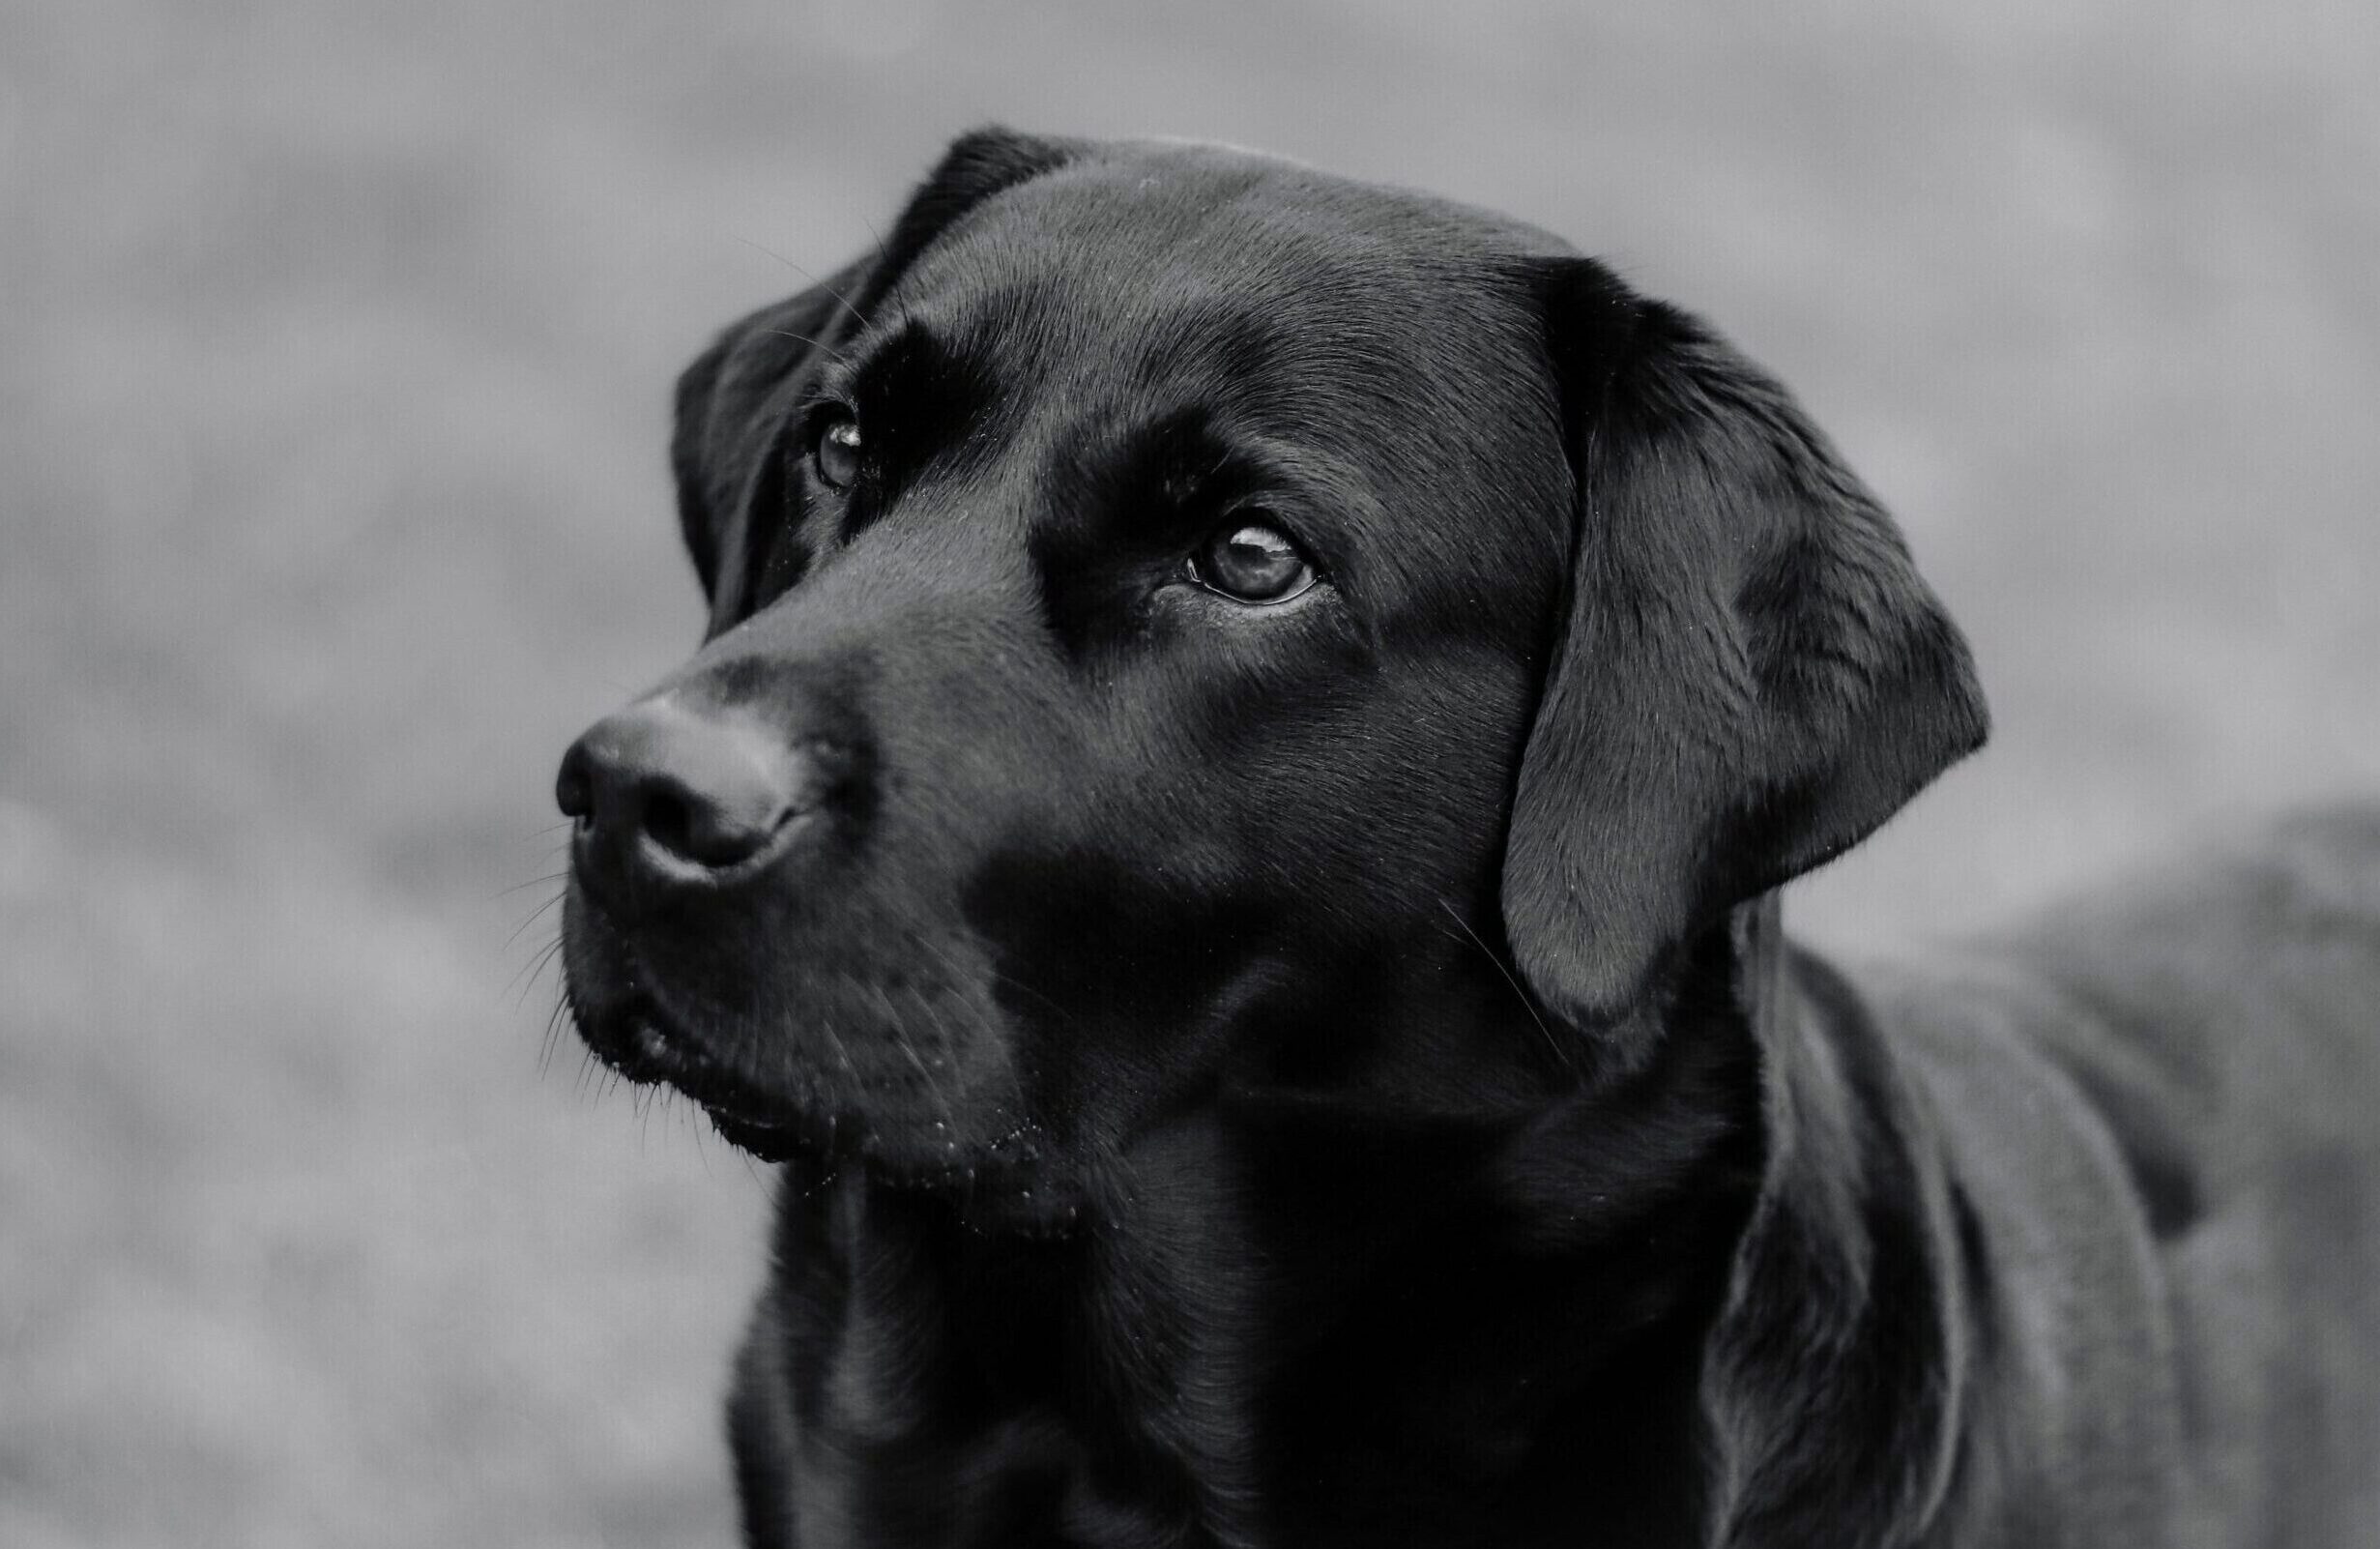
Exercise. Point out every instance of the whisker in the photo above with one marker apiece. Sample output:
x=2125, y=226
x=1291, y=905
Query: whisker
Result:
x=881, y=256
x=527, y=978
x=841, y=1053
x=531, y=921
x=532, y=882
x=554, y=1022
x=831, y=352
x=974, y=1014
x=901, y=1040
x=812, y=278
x=1559, y=1052
x=942, y=1029
x=918, y=939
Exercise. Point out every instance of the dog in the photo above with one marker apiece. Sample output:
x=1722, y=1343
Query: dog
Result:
x=1226, y=831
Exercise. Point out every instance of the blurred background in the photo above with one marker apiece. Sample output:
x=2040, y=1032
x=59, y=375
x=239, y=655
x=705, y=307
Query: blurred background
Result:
x=335, y=342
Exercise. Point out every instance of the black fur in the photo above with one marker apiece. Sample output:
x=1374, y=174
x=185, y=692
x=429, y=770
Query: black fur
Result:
x=1330, y=1073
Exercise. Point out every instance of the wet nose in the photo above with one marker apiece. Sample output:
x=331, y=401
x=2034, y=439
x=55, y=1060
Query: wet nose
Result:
x=668, y=796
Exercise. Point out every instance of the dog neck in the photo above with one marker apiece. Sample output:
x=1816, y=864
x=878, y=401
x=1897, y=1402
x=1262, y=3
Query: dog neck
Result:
x=1643, y=1306
x=1837, y=1379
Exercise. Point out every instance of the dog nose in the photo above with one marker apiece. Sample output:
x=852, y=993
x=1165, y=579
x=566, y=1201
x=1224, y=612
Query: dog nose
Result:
x=664, y=793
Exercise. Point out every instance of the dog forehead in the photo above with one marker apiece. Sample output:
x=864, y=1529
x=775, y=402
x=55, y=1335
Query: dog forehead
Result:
x=1162, y=305
x=1149, y=279
x=1149, y=244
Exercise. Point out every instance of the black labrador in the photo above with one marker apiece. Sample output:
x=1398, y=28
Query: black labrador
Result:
x=1225, y=833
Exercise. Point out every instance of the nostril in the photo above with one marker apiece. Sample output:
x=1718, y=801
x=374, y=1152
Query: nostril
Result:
x=668, y=823
x=715, y=828
x=573, y=792
x=663, y=794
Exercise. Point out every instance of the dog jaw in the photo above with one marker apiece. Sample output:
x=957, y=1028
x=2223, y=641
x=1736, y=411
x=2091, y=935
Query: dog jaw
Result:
x=781, y=1082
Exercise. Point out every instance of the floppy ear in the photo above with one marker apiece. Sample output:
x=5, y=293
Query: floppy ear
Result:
x=723, y=436
x=1752, y=675
x=729, y=402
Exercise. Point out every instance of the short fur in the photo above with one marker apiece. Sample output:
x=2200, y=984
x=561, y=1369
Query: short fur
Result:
x=1330, y=1073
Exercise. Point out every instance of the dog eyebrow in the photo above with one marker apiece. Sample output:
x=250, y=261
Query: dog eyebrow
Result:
x=1166, y=476
x=919, y=397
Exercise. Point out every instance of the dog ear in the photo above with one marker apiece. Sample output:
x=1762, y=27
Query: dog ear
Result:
x=730, y=401
x=724, y=438
x=1752, y=675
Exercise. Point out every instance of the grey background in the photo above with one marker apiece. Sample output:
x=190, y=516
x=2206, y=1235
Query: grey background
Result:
x=334, y=346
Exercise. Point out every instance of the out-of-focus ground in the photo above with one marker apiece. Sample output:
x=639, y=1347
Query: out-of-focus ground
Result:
x=334, y=344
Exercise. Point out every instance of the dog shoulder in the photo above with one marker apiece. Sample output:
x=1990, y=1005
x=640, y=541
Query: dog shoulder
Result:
x=2248, y=972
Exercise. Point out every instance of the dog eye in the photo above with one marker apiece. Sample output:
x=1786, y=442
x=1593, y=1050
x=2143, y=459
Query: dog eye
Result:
x=836, y=451
x=1252, y=563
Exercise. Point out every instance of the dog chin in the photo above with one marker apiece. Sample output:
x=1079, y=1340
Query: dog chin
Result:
x=998, y=1190
x=778, y=1136
x=998, y=1181
x=1001, y=1188
x=645, y=1046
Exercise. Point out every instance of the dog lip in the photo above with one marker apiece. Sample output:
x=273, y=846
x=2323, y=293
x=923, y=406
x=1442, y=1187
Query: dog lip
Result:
x=638, y=1037
x=655, y=1050
x=765, y=1141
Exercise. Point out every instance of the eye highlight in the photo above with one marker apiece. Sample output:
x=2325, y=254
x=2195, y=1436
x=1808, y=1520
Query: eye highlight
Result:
x=1252, y=561
x=836, y=450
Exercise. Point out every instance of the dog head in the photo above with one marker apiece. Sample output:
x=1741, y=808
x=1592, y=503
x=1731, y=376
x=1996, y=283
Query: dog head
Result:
x=1186, y=630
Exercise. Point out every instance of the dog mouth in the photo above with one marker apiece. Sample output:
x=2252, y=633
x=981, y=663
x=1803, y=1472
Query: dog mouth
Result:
x=646, y=1048
x=860, y=1114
